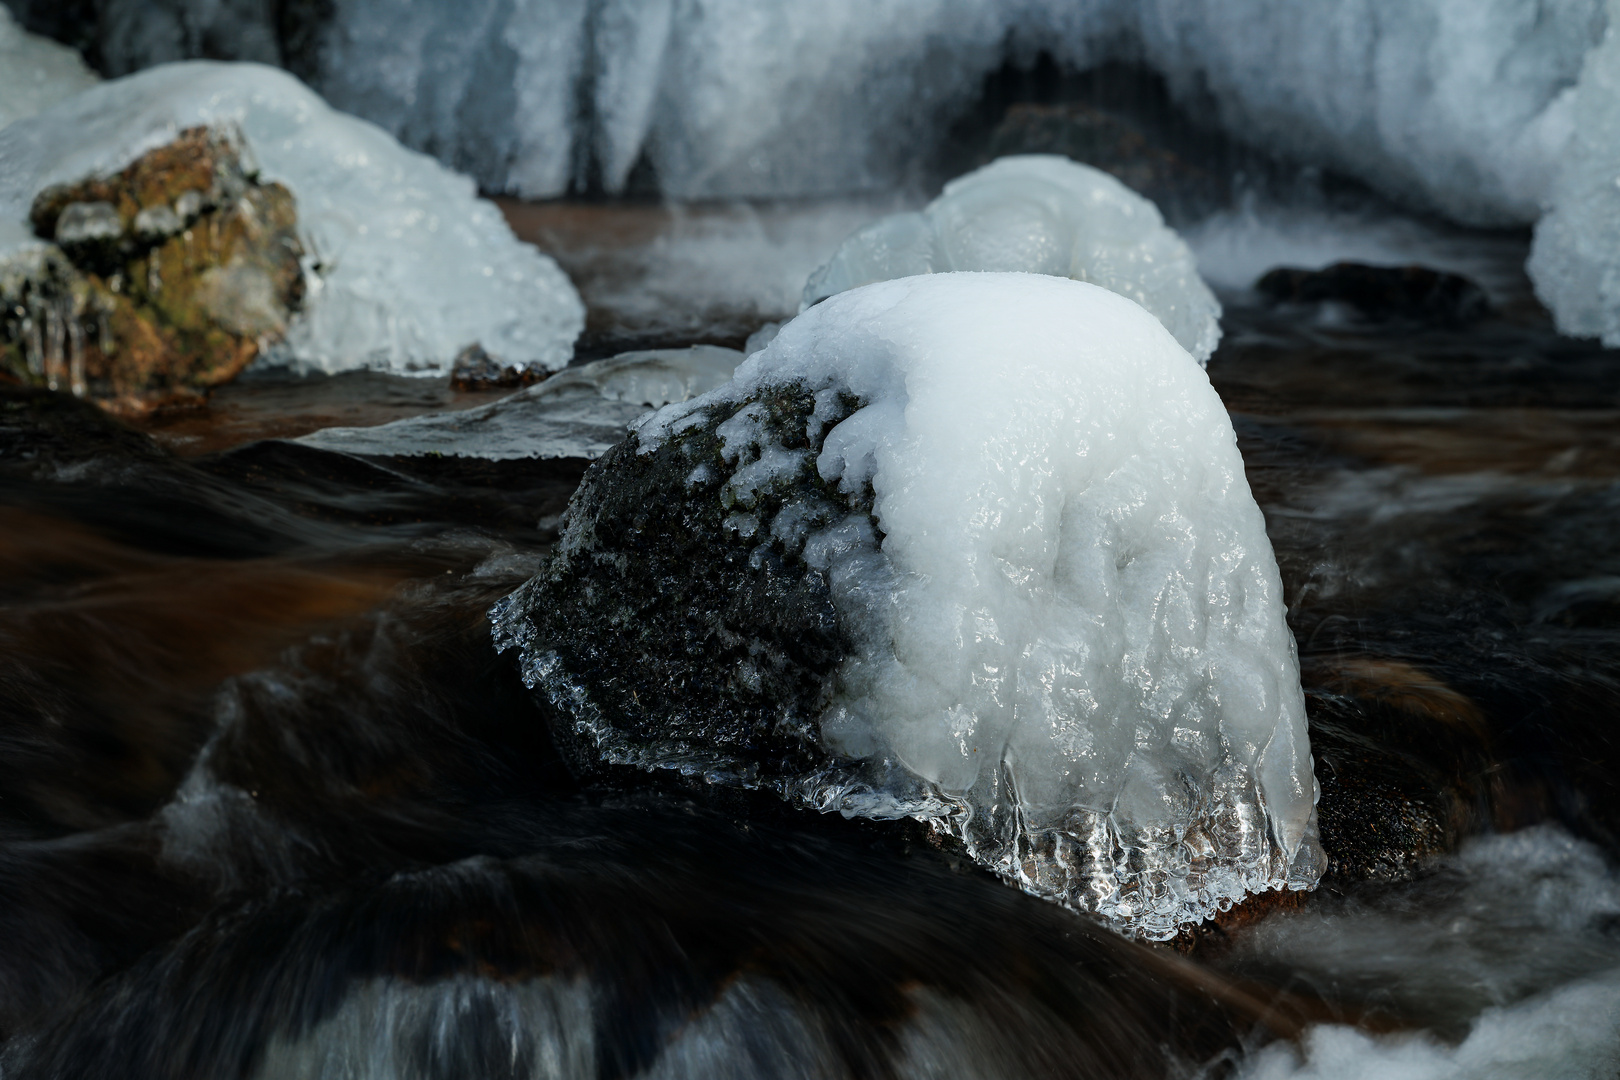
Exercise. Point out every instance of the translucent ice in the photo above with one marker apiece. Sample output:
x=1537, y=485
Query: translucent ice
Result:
x=1060, y=622
x=407, y=267
x=1040, y=214
x=35, y=72
x=578, y=413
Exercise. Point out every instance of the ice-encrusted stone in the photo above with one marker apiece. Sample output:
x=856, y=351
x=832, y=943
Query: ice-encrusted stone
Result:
x=406, y=265
x=580, y=412
x=972, y=548
x=1040, y=214
x=1575, y=259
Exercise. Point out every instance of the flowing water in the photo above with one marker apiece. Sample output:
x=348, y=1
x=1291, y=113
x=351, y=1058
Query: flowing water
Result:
x=270, y=804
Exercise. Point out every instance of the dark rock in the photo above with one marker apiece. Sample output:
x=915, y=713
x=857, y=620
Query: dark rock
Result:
x=1382, y=293
x=664, y=635
x=475, y=369
x=166, y=279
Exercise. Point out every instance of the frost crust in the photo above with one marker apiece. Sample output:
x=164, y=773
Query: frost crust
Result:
x=982, y=553
x=1040, y=214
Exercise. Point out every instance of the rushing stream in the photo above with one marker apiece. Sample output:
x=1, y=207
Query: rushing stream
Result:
x=271, y=805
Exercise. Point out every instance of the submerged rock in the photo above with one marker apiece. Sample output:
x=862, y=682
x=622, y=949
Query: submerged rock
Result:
x=1382, y=293
x=1039, y=214
x=164, y=279
x=975, y=549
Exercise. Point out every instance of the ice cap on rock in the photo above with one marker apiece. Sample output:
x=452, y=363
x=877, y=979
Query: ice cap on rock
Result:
x=1041, y=214
x=1060, y=632
x=407, y=264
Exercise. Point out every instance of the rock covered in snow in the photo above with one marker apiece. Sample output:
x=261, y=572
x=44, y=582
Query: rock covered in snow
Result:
x=35, y=72
x=976, y=549
x=1575, y=259
x=577, y=413
x=406, y=266
x=1040, y=214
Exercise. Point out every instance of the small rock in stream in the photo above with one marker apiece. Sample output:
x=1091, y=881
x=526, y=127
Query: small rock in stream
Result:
x=1381, y=293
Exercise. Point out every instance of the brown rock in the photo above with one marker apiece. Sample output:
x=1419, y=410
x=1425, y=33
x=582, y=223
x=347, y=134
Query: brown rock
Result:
x=166, y=279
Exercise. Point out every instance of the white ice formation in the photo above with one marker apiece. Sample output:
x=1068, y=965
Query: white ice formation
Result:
x=406, y=265
x=1459, y=106
x=579, y=412
x=1575, y=261
x=35, y=72
x=1069, y=623
x=1040, y=214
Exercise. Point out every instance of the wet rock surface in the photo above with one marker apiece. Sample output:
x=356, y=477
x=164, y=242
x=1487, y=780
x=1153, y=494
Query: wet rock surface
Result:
x=156, y=283
x=665, y=637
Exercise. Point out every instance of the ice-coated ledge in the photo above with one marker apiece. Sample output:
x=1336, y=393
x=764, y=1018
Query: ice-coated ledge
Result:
x=1039, y=214
x=406, y=265
x=579, y=413
x=974, y=548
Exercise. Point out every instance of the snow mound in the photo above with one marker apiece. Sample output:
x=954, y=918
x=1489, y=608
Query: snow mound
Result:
x=35, y=72
x=407, y=265
x=1040, y=214
x=1575, y=259
x=1009, y=512
x=579, y=412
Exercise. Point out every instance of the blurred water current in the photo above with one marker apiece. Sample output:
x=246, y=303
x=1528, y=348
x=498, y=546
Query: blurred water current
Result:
x=271, y=806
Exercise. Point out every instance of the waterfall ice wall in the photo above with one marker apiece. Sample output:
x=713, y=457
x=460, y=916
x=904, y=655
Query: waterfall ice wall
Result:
x=1457, y=105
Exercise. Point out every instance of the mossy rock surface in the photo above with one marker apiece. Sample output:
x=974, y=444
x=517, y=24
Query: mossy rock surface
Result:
x=161, y=281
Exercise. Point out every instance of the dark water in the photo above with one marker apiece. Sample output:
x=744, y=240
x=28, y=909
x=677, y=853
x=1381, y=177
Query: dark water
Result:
x=270, y=805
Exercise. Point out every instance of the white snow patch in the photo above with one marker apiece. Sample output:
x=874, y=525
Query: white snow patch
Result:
x=35, y=72
x=407, y=265
x=580, y=412
x=1039, y=214
x=1075, y=610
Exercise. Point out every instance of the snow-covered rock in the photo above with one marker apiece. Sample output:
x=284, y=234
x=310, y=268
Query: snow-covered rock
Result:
x=35, y=72
x=1575, y=260
x=972, y=548
x=580, y=412
x=406, y=265
x=1039, y=214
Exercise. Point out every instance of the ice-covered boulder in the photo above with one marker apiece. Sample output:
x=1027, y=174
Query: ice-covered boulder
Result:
x=1575, y=259
x=972, y=548
x=580, y=413
x=35, y=72
x=1040, y=214
x=405, y=265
